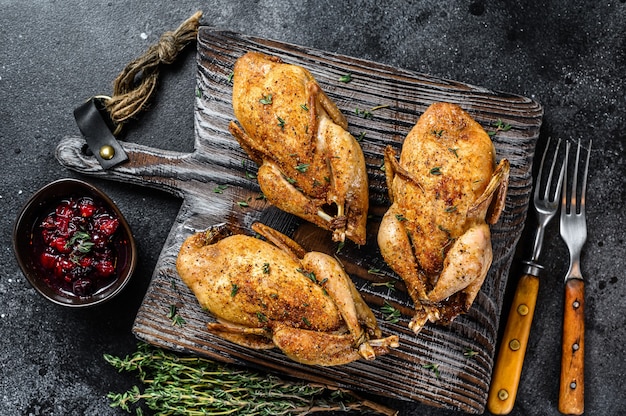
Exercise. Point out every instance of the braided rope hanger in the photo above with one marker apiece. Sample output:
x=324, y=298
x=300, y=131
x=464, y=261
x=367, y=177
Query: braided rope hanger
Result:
x=130, y=96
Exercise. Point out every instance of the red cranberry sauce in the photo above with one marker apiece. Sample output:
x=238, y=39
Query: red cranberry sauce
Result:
x=76, y=248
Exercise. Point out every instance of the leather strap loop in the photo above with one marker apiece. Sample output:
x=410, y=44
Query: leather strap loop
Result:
x=96, y=131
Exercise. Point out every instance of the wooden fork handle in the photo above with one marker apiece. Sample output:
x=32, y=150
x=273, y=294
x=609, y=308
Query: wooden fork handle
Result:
x=508, y=368
x=572, y=390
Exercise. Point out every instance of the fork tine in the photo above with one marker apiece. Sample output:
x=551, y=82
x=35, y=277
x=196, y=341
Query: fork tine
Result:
x=550, y=175
x=564, y=205
x=583, y=193
x=573, y=201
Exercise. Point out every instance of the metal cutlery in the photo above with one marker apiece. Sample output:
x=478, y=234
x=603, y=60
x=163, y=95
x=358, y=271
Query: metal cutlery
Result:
x=508, y=366
x=574, y=232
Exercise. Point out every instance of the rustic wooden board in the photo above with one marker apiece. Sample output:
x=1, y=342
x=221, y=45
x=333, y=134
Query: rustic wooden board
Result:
x=218, y=160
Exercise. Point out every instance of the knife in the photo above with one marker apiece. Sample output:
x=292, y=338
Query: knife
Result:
x=508, y=366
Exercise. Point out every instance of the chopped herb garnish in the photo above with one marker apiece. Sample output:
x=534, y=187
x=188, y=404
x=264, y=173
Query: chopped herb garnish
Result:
x=437, y=133
x=310, y=275
x=450, y=208
x=266, y=268
x=436, y=170
x=376, y=272
x=175, y=317
x=231, y=76
x=304, y=107
x=389, y=284
x=243, y=204
x=470, y=353
x=363, y=113
x=261, y=316
x=500, y=126
x=400, y=217
x=345, y=78
x=281, y=122
x=198, y=93
x=434, y=368
x=390, y=314
x=220, y=189
x=267, y=99
x=360, y=137
x=340, y=246
x=306, y=321
x=233, y=290
x=302, y=167
x=454, y=151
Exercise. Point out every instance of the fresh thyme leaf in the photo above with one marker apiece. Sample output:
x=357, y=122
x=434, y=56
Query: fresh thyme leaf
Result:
x=267, y=99
x=81, y=239
x=436, y=170
x=266, y=268
x=261, y=316
x=390, y=314
x=233, y=290
x=310, y=275
x=376, y=272
x=281, y=122
x=340, y=246
x=400, y=217
x=360, y=137
x=434, y=368
x=345, y=78
x=451, y=208
x=231, y=76
x=500, y=126
x=175, y=317
x=243, y=204
x=304, y=107
x=219, y=189
x=470, y=352
x=302, y=167
x=454, y=151
x=363, y=113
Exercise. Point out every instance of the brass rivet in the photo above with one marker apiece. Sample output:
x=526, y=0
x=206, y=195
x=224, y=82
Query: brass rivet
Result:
x=514, y=344
x=522, y=309
x=572, y=385
x=503, y=394
x=107, y=152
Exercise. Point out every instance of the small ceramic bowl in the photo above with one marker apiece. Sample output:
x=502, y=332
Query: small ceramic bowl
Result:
x=58, y=285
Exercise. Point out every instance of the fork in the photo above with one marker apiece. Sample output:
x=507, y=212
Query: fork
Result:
x=574, y=232
x=508, y=366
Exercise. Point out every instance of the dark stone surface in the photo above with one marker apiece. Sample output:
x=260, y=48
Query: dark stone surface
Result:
x=570, y=56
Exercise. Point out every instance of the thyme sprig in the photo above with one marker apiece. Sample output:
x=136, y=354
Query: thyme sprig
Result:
x=182, y=385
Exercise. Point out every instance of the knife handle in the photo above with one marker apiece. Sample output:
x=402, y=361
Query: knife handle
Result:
x=508, y=368
x=572, y=390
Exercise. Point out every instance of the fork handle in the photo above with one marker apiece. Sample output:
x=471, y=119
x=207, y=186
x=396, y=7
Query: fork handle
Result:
x=572, y=390
x=508, y=368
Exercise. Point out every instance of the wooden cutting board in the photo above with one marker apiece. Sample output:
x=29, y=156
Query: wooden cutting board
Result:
x=217, y=177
